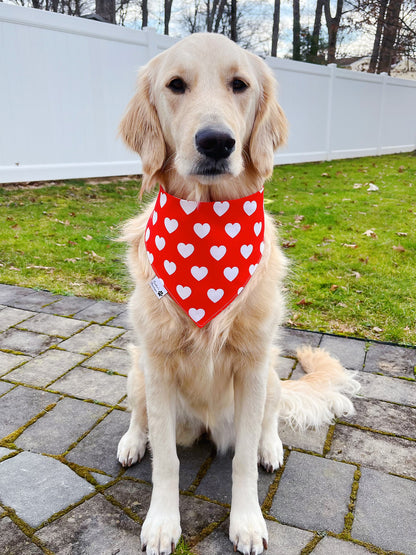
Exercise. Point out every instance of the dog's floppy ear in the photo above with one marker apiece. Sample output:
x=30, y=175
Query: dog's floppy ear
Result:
x=141, y=131
x=270, y=124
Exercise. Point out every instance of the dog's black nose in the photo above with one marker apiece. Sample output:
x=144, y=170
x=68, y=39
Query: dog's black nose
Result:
x=214, y=143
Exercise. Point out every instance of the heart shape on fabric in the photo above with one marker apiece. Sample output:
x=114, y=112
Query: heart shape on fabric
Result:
x=146, y=237
x=188, y=206
x=171, y=224
x=150, y=257
x=183, y=292
x=262, y=247
x=202, y=230
x=246, y=250
x=185, y=250
x=233, y=229
x=231, y=273
x=257, y=228
x=163, y=199
x=250, y=207
x=218, y=252
x=160, y=242
x=215, y=295
x=196, y=314
x=199, y=272
x=154, y=217
x=220, y=208
x=170, y=267
x=252, y=268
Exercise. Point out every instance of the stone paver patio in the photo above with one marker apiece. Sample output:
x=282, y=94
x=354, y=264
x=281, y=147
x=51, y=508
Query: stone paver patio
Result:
x=347, y=489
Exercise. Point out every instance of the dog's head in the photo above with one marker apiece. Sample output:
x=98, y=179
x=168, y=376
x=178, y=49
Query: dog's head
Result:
x=205, y=108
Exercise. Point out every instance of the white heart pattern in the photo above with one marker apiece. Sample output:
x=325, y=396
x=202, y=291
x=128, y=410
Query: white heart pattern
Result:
x=199, y=272
x=231, y=273
x=188, y=206
x=246, y=250
x=262, y=247
x=160, y=242
x=218, y=252
x=233, y=229
x=202, y=230
x=163, y=200
x=183, y=292
x=252, y=268
x=150, y=257
x=196, y=314
x=154, y=217
x=171, y=224
x=185, y=250
x=220, y=208
x=250, y=207
x=215, y=295
x=170, y=267
x=257, y=228
x=146, y=237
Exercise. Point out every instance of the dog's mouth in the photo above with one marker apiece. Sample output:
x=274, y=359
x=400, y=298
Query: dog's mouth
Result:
x=211, y=168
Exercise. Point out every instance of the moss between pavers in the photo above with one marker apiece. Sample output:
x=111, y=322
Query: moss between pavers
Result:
x=11, y=438
x=26, y=529
x=349, y=517
x=328, y=441
x=267, y=503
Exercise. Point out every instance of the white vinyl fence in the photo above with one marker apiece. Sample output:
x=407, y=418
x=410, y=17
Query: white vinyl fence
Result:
x=65, y=82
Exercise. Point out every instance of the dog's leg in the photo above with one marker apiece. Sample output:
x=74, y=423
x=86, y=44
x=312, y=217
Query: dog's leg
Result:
x=132, y=445
x=271, y=448
x=161, y=530
x=248, y=530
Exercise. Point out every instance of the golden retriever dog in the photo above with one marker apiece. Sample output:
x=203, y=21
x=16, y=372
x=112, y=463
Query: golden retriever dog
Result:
x=206, y=123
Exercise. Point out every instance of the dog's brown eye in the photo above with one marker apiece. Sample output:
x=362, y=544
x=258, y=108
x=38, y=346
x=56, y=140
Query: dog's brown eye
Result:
x=238, y=85
x=177, y=85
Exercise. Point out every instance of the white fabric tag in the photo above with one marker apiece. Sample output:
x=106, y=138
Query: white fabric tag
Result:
x=158, y=287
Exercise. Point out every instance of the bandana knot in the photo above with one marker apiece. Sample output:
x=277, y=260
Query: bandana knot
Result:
x=205, y=252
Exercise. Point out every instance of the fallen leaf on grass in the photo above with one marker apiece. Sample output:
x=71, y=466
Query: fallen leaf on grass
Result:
x=370, y=233
x=94, y=256
x=377, y=329
x=398, y=248
x=357, y=185
x=372, y=187
x=289, y=244
x=35, y=267
x=72, y=259
x=343, y=305
x=333, y=287
x=87, y=237
x=350, y=246
x=401, y=234
x=357, y=275
x=364, y=260
x=304, y=302
x=299, y=218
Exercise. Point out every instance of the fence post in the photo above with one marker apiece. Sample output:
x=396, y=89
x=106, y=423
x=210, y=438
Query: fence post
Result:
x=151, y=36
x=384, y=77
x=328, y=146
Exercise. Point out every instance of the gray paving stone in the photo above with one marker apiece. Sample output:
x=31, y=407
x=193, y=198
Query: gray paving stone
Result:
x=216, y=484
x=53, y=325
x=385, y=388
x=286, y=540
x=384, y=417
x=313, y=493
x=350, y=352
x=5, y=387
x=4, y=452
x=310, y=440
x=46, y=368
x=98, y=450
x=20, y=405
x=35, y=300
x=36, y=487
x=68, y=306
x=92, y=384
x=330, y=546
x=95, y=526
x=14, y=542
x=116, y=360
x=26, y=342
x=132, y=495
x=291, y=340
x=90, y=339
x=217, y=543
x=121, y=321
x=391, y=454
x=9, y=293
x=284, y=366
x=391, y=360
x=102, y=479
x=8, y=361
x=385, y=512
x=101, y=311
x=11, y=316
x=124, y=340
x=60, y=427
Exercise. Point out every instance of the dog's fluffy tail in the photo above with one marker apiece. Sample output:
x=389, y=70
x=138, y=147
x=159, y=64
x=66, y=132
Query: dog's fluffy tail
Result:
x=320, y=395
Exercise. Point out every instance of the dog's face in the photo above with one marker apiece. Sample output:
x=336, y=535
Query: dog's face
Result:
x=208, y=107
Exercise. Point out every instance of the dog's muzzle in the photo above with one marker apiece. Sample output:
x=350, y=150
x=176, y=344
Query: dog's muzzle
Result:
x=215, y=145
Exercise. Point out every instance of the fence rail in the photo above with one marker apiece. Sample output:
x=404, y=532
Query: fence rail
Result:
x=66, y=81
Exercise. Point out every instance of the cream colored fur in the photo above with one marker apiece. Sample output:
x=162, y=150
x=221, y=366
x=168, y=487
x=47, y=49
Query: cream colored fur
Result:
x=220, y=378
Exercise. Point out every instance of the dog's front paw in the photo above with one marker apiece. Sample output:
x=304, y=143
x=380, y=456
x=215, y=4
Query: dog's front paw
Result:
x=131, y=448
x=160, y=533
x=248, y=531
x=271, y=453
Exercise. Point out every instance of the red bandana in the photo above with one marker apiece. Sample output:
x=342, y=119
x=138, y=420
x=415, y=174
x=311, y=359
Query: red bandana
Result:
x=205, y=252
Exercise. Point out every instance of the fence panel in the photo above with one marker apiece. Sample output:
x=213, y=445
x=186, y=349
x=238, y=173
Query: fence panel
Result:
x=65, y=82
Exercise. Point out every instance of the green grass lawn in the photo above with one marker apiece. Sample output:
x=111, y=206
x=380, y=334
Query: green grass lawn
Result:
x=353, y=251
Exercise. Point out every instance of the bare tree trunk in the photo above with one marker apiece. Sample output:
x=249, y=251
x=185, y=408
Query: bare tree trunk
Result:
x=313, y=51
x=145, y=14
x=105, y=8
x=296, y=30
x=391, y=28
x=276, y=23
x=219, y=15
x=332, y=24
x=168, y=10
x=377, y=39
x=233, y=21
